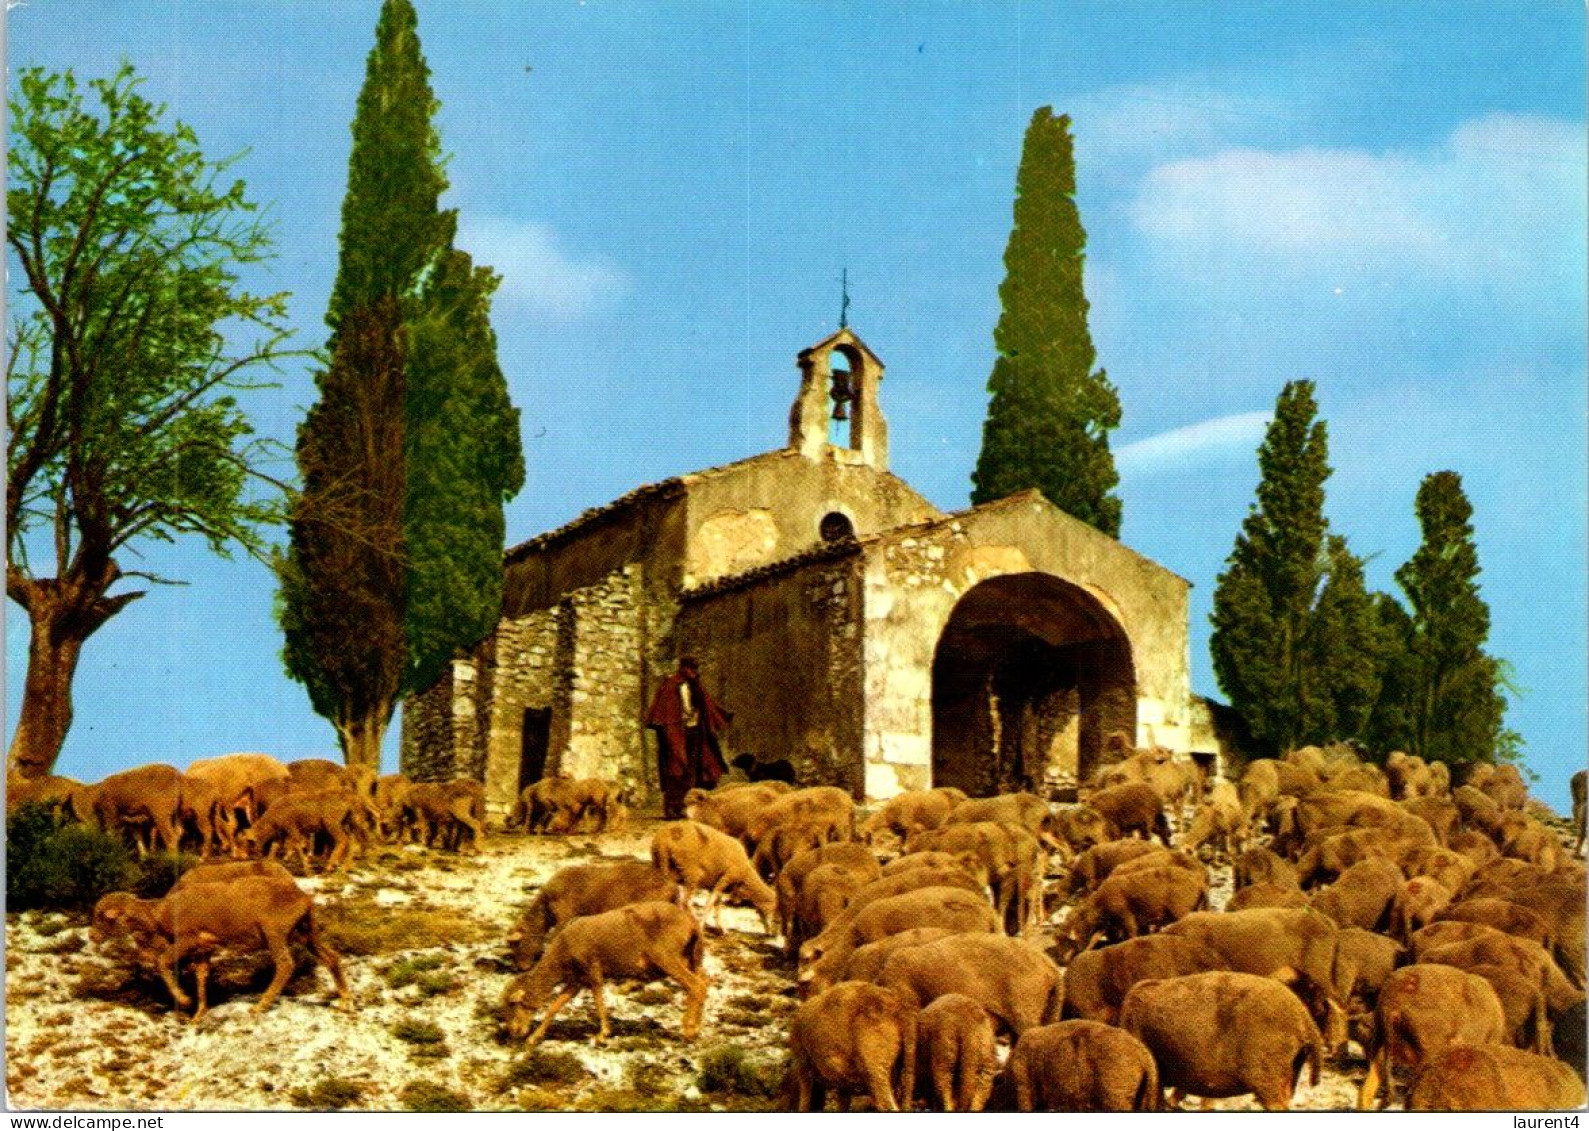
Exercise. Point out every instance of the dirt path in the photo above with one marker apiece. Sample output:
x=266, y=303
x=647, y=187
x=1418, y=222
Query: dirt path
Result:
x=423, y=935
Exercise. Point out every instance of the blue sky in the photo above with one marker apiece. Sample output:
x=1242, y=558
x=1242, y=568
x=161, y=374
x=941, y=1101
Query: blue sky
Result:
x=1386, y=198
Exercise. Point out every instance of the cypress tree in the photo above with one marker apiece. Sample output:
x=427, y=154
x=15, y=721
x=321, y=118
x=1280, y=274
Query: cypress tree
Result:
x=395, y=558
x=1049, y=413
x=1264, y=600
x=1454, y=708
x=1344, y=651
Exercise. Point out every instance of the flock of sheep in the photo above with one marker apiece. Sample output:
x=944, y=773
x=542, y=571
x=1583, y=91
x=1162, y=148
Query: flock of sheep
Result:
x=1441, y=928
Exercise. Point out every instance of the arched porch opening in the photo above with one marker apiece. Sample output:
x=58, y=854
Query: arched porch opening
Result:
x=1030, y=676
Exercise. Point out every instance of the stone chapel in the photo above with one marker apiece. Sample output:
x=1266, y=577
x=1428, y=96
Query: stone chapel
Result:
x=849, y=625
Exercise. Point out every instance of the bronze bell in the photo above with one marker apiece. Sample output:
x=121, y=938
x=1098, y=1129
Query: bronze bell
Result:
x=842, y=394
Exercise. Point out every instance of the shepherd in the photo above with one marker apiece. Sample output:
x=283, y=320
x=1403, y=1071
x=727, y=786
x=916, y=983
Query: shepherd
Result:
x=688, y=722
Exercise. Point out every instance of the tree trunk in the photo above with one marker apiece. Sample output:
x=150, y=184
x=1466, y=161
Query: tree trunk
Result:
x=63, y=612
x=362, y=737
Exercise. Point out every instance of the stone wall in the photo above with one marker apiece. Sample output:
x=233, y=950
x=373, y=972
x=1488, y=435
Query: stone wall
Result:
x=780, y=649
x=441, y=735
x=524, y=675
x=605, y=640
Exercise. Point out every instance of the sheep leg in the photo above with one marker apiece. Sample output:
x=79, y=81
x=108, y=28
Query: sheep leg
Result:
x=281, y=955
x=558, y=1002
x=329, y=959
x=695, y=987
x=604, y=1029
x=804, y=1087
x=201, y=974
x=1023, y=1086
x=166, y=964
x=1369, y=1091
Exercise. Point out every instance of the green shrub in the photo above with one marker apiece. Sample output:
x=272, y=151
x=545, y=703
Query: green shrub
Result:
x=729, y=1070
x=422, y=1095
x=330, y=1094
x=407, y=971
x=542, y=1067
x=160, y=871
x=61, y=867
x=418, y=1032
x=648, y=1078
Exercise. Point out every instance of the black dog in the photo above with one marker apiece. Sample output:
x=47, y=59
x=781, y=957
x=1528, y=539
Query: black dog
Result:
x=755, y=769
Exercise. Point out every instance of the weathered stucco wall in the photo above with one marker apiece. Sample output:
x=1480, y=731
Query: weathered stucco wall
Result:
x=783, y=654
x=913, y=579
x=768, y=509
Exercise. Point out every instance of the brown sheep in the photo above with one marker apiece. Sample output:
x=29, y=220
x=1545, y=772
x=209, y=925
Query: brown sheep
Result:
x=1266, y=894
x=1560, y=902
x=1259, y=787
x=786, y=841
x=1479, y=810
x=1440, y=813
x=825, y=803
x=1260, y=865
x=1334, y=853
x=244, y=911
x=952, y=908
x=1025, y=809
x=732, y=810
x=956, y=1053
x=585, y=889
x=1094, y=865
x=1418, y=903
x=147, y=795
x=1362, y=895
x=237, y=776
x=699, y=856
x=201, y=809
x=389, y=794
x=1131, y=808
x=1132, y=903
x=852, y=856
x=866, y=962
x=1083, y=1066
x=1264, y=940
x=298, y=820
x=1494, y=1078
x=1474, y=845
x=912, y=811
x=1443, y=933
x=220, y=871
x=1424, y=1009
x=1524, y=956
x=1502, y=914
x=1014, y=981
x=1081, y=827
x=1527, y=1020
x=932, y=858
x=854, y=1037
x=310, y=775
x=1409, y=776
x=1363, y=962
x=1225, y=1034
x=1451, y=870
x=1503, y=784
x=441, y=813
x=641, y=942
x=952, y=875
x=827, y=893
x=1097, y=981
x=1221, y=820
x=1010, y=857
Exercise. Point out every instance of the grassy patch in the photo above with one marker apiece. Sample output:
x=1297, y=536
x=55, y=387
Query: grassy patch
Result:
x=360, y=926
x=730, y=1071
x=331, y=1094
x=422, y=1095
x=69, y=945
x=49, y=927
x=648, y=1078
x=652, y=995
x=417, y=1032
x=542, y=1067
x=625, y=1100
x=407, y=971
x=742, y=1018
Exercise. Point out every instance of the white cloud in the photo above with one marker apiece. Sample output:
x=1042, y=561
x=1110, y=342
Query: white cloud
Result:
x=1138, y=122
x=537, y=274
x=1195, y=443
x=1500, y=202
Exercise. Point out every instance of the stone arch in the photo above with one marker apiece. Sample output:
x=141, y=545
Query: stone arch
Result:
x=1030, y=675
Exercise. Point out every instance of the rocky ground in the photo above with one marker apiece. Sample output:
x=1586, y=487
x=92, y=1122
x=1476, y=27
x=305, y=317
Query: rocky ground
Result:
x=422, y=935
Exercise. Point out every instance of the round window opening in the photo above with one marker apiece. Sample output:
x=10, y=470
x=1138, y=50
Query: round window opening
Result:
x=835, y=526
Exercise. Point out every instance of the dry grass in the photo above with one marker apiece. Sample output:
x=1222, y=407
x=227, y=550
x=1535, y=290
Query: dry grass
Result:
x=360, y=926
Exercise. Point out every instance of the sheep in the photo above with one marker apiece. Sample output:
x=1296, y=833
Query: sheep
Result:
x=1014, y=981
x=1132, y=808
x=237, y=776
x=144, y=795
x=865, y=963
x=585, y=889
x=1363, y=962
x=1008, y=855
x=956, y=1052
x=1097, y=981
x=1220, y=819
x=1523, y=1004
x=1130, y=903
x=1222, y=1034
x=953, y=908
x=1362, y=895
x=1502, y=914
x=1094, y=865
x=1261, y=865
x=1264, y=940
x=1422, y=1010
x=851, y=856
x=641, y=942
x=447, y=810
x=699, y=856
x=787, y=840
x=907, y=812
x=1081, y=827
x=854, y=1037
x=828, y=891
x=731, y=810
x=823, y=803
x=297, y=820
x=241, y=911
x=1523, y=955
x=1026, y=810
x=1494, y=1078
x=1266, y=894
x=1083, y=1066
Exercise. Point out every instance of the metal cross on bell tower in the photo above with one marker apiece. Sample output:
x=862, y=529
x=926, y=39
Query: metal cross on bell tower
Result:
x=844, y=298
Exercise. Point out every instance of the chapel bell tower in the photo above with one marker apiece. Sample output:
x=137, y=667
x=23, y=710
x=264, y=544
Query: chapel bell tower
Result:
x=836, y=415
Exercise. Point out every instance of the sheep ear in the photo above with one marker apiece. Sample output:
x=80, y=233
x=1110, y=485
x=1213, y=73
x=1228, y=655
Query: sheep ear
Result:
x=1287, y=976
x=515, y=997
x=110, y=914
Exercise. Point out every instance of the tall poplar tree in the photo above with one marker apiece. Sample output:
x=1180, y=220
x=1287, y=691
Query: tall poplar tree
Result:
x=1454, y=707
x=1050, y=413
x=396, y=538
x=1264, y=600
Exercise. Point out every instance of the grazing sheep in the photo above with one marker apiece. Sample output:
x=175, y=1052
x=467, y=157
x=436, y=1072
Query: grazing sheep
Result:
x=1502, y=914
x=1362, y=895
x=585, y=889
x=854, y=1037
x=1097, y=981
x=865, y=963
x=731, y=810
x=821, y=803
x=244, y=911
x=1265, y=940
x=442, y=813
x=1260, y=865
x=1014, y=981
x=237, y=776
x=1096, y=864
x=1424, y=1009
x=641, y=942
x=1523, y=955
x=1267, y=894
x=1132, y=903
x=699, y=856
x=1494, y=1078
x=1132, y=808
x=849, y=856
x=914, y=810
x=1223, y=1034
x=786, y=841
x=956, y=1053
x=296, y=822
x=1083, y=1066
x=955, y=909
x=142, y=796
x=1364, y=961
x=1081, y=827
x=1527, y=1020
